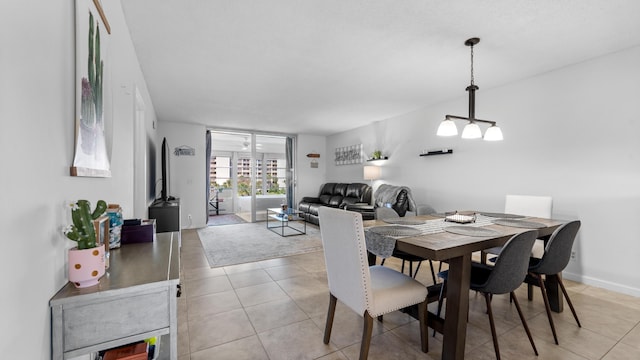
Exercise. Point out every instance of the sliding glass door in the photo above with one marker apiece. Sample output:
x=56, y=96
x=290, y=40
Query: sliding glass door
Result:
x=249, y=173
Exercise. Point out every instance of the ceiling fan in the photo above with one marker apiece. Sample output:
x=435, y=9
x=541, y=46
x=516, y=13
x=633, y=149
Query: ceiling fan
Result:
x=246, y=144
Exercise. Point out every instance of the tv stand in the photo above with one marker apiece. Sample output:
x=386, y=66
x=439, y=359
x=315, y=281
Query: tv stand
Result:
x=167, y=215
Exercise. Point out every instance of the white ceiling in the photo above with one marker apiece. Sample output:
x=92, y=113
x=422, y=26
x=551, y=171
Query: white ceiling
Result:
x=325, y=66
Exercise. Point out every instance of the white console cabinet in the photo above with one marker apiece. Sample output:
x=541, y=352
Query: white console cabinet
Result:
x=135, y=300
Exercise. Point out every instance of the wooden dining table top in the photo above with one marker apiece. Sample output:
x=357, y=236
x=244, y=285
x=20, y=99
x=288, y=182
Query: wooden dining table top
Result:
x=445, y=245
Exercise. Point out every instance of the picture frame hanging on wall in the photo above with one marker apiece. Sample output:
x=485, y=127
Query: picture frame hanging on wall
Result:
x=93, y=115
x=348, y=155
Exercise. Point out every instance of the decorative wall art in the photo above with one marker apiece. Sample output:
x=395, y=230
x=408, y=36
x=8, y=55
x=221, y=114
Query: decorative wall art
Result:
x=184, y=150
x=349, y=155
x=314, y=156
x=93, y=120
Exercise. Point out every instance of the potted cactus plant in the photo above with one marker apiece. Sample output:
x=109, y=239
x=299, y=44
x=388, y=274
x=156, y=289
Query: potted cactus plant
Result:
x=87, y=259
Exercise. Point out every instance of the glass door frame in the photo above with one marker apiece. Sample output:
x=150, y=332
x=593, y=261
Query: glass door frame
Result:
x=290, y=170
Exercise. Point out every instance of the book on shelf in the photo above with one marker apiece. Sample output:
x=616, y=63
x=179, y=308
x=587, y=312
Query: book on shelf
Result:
x=129, y=352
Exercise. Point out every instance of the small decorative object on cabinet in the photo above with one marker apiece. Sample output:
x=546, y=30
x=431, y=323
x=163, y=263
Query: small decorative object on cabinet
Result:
x=87, y=260
x=115, y=225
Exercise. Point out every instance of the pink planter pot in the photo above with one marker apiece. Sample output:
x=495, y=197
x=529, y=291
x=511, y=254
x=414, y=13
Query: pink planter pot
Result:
x=86, y=267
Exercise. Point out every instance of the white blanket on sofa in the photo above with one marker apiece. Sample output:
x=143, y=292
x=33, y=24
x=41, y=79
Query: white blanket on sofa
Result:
x=389, y=193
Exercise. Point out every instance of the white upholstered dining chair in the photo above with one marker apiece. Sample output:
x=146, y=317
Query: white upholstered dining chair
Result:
x=525, y=205
x=370, y=291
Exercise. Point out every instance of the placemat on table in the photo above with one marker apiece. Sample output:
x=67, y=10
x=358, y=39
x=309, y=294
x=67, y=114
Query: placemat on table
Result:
x=395, y=230
x=502, y=215
x=438, y=215
x=519, y=223
x=471, y=231
x=404, y=221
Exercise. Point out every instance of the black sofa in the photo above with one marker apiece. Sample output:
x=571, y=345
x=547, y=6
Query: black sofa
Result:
x=336, y=195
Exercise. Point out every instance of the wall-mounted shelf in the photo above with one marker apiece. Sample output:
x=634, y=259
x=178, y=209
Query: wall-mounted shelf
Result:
x=438, y=152
x=313, y=155
x=381, y=159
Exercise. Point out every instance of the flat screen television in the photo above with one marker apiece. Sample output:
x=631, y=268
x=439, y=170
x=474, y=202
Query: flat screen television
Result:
x=151, y=170
x=165, y=171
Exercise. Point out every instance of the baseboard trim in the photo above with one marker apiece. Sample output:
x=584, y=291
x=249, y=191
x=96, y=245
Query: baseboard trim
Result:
x=587, y=280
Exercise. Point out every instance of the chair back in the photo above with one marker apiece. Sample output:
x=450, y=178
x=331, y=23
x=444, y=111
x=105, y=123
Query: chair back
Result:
x=512, y=264
x=386, y=213
x=557, y=252
x=527, y=205
x=345, y=254
x=425, y=210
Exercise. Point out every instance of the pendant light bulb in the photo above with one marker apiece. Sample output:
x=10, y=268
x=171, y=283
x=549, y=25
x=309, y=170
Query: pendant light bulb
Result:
x=447, y=128
x=471, y=131
x=493, y=133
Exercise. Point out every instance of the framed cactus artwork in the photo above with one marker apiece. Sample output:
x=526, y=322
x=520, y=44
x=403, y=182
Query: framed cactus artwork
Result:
x=93, y=115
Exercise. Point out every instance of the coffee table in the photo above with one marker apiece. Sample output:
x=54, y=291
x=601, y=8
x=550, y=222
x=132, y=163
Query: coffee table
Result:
x=288, y=222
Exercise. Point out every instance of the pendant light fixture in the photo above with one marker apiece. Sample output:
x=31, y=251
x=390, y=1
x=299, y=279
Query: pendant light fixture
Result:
x=472, y=129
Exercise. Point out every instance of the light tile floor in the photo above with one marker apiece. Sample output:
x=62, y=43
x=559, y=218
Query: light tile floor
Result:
x=275, y=309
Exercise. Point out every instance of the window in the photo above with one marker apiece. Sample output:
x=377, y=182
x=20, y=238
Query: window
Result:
x=220, y=174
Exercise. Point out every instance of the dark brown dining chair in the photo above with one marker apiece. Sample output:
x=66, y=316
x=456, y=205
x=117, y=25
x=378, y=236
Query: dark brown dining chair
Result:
x=557, y=253
x=504, y=277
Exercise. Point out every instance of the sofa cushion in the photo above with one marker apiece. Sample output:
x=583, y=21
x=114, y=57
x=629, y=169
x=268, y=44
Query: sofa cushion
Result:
x=355, y=193
x=326, y=193
x=313, y=208
x=335, y=201
x=341, y=190
x=355, y=190
x=304, y=206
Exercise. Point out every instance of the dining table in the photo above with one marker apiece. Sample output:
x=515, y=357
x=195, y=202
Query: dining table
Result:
x=435, y=238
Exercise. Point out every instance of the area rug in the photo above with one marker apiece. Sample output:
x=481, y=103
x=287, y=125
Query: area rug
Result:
x=242, y=243
x=226, y=219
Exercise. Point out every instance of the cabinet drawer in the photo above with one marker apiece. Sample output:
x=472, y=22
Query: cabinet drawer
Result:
x=115, y=318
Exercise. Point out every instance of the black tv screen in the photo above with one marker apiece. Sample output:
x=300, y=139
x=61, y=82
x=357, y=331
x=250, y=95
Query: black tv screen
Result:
x=151, y=170
x=165, y=170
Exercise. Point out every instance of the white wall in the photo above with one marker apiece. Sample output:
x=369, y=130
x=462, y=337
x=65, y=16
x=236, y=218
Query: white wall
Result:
x=37, y=142
x=187, y=173
x=571, y=133
x=308, y=179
